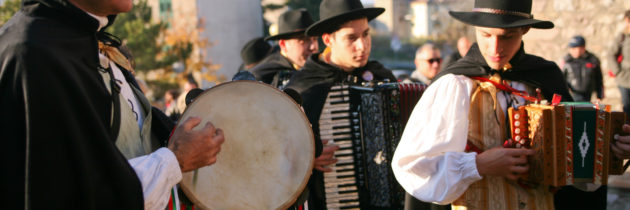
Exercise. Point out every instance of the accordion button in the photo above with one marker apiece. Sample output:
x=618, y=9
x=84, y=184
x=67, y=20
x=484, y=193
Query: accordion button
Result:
x=518, y=145
x=517, y=130
x=517, y=123
x=516, y=116
x=517, y=138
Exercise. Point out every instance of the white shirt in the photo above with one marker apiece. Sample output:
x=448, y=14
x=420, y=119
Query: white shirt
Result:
x=159, y=171
x=430, y=162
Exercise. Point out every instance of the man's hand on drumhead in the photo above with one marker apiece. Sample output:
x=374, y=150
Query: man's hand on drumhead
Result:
x=198, y=148
x=326, y=158
x=505, y=162
x=621, y=145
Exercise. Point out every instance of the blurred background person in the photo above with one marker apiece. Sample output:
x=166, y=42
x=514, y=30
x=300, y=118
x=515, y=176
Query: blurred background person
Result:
x=582, y=71
x=620, y=63
x=253, y=52
x=295, y=48
x=170, y=104
x=428, y=63
x=463, y=44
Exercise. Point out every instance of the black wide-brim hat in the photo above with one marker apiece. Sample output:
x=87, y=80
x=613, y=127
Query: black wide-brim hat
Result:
x=501, y=14
x=333, y=13
x=292, y=24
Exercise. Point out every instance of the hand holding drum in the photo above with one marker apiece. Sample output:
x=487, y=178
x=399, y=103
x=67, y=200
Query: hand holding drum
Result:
x=198, y=148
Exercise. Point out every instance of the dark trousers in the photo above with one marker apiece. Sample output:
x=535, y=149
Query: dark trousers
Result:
x=569, y=197
x=625, y=100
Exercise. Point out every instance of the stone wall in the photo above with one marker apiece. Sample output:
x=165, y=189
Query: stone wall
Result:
x=599, y=21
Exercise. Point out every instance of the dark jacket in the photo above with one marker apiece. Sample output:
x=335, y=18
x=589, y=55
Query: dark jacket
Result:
x=583, y=76
x=528, y=69
x=59, y=152
x=313, y=83
x=275, y=70
x=619, y=59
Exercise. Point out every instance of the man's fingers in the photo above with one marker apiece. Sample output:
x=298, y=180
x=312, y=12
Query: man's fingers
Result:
x=519, y=169
x=520, y=152
x=520, y=160
x=618, y=151
x=210, y=128
x=325, y=141
x=219, y=137
x=323, y=169
x=190, y=123
x=326, y=162
x=330, y=149
x=626, y=128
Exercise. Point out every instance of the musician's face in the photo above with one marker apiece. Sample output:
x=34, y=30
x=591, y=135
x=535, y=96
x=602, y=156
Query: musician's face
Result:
x=103, y=7
x=350, y=45
x=298, y=49
x=499, y=45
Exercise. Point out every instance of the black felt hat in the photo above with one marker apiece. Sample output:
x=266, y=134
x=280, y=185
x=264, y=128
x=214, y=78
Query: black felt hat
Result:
x=292, y=23
x=255, y=50
x=333, y=13
x=501, y=14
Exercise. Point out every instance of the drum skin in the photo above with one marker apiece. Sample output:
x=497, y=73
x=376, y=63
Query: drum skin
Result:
x=268, y=153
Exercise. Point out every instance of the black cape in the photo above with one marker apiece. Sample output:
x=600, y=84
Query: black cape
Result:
x=58, y=149
x=269, y=67
x=529, y=69
x=313, y=82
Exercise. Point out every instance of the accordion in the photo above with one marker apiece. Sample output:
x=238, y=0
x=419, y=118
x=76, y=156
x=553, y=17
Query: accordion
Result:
x=366, y=123
x=571, y=140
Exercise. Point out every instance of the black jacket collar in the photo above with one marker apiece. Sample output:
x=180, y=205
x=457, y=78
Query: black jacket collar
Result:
x=63, y=10
x=529, y=69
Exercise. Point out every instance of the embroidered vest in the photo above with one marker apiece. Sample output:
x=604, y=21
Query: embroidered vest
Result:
x=487, y=129
x=131, y=141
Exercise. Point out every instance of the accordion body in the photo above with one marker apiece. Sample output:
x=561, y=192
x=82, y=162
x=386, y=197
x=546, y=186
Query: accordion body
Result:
x=366, y=123
x=572, y=142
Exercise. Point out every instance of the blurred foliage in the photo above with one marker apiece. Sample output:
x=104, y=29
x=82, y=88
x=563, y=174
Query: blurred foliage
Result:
x=144, y=39
x=8, y=9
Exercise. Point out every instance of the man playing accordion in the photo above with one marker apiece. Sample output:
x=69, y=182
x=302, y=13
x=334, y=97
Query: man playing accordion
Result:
x=450, y=151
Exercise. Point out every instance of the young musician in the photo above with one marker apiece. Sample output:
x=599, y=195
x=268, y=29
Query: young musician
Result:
x=295, y=47
x=344, y=29
x=72, y=116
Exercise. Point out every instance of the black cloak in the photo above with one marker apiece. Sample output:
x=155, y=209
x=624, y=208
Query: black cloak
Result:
x=59, y=151
x=267, y=70
x=528, y=69
x=313, y=82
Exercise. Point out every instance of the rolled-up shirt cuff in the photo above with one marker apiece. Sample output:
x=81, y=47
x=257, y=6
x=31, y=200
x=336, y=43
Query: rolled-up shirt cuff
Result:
x=469, y=168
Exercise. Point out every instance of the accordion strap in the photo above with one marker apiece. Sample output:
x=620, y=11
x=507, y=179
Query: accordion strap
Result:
x=509, y=89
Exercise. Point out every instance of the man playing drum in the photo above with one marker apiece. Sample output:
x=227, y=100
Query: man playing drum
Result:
x=431, y=161
x=344, y=29
x=72, y=116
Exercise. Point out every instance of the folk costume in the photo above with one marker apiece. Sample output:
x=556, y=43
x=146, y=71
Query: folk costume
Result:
x=317, y=76
x=463, y=107
x=276, y=69
x=60, y=120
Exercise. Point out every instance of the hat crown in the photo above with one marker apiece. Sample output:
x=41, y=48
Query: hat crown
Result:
x=293, y=21
x=331, y=8
x=523, y=6
x=577, y=41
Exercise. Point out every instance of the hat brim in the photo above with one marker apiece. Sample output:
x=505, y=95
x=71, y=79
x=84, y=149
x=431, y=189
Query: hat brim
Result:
x=326, y=25
x=499, y=21
x=289, y=35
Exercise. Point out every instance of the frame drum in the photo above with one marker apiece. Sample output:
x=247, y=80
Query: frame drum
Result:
x=268, y=153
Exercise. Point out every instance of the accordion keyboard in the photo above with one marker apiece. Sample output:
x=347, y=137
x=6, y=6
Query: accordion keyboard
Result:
x=338, y=124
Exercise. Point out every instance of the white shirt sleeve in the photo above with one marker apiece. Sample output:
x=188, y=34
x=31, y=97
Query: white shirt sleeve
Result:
x=430, y=162
x=158, y=172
